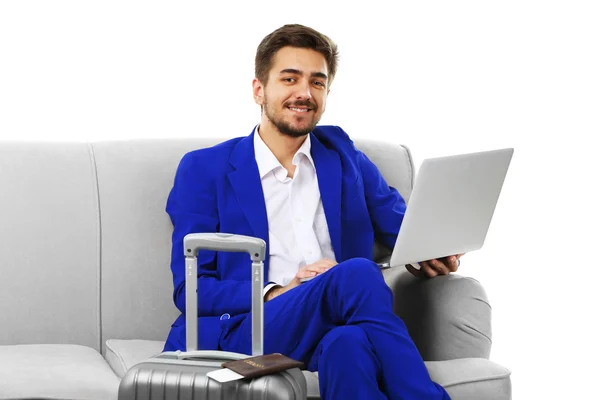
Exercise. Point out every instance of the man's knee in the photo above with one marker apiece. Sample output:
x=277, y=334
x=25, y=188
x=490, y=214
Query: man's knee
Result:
x=356, y=276
x=357, y=269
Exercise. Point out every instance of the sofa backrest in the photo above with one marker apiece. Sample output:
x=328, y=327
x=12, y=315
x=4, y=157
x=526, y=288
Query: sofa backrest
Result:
x=85, y=241
x=49, y=244
x=134, y=180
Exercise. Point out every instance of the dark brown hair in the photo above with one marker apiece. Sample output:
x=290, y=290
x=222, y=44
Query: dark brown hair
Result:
x=294, y=35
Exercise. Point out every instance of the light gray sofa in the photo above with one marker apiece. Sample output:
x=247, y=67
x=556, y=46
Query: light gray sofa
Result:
x=85, y=283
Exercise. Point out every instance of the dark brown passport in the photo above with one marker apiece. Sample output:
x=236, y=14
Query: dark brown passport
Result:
x=252, y=367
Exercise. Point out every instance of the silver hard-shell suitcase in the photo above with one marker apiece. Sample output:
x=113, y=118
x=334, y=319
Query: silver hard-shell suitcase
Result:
x=182, y=375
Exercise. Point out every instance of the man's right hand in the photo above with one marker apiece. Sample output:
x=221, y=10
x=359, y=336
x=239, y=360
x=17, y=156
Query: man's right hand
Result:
x=308, y=271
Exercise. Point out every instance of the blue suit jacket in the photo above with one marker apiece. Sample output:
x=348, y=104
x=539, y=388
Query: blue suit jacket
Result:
x=218, y=189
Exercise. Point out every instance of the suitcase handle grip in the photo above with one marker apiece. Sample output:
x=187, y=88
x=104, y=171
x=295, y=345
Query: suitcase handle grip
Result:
x=255, y=247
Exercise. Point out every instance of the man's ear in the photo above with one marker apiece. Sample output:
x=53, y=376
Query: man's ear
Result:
x=258, y=91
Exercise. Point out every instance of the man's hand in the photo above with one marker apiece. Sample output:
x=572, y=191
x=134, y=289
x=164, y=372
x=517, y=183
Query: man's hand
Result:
x=307, y=271
x=440, y=266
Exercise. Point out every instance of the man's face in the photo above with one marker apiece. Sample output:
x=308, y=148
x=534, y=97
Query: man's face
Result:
x=295, y=94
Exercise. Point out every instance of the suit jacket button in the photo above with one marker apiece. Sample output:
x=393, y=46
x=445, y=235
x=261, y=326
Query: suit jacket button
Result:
x=225, y=316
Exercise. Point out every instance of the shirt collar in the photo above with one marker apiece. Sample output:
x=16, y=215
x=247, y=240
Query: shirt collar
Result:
x=266, y=160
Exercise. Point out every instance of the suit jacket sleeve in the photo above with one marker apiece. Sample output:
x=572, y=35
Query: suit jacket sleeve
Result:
x=386, y=206
x=192, y=207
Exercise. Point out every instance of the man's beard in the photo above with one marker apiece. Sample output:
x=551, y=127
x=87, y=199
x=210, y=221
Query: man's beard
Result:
x=285, y=127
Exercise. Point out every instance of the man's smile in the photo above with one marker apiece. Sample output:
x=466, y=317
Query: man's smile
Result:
x=299, y=110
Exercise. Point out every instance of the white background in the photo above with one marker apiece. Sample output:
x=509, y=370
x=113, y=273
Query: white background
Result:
x=441, y=77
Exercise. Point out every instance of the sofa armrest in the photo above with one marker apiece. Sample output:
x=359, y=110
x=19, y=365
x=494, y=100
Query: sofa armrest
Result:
x=448, y=317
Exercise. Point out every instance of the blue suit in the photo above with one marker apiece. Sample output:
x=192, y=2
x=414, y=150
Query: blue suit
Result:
x=218, y=189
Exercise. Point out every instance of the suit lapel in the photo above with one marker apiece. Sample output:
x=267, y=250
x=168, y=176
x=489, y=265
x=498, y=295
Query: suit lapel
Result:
x=247, y=186
x=329, y=175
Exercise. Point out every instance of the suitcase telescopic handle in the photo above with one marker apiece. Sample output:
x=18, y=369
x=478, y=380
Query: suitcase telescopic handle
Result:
x=255, y=248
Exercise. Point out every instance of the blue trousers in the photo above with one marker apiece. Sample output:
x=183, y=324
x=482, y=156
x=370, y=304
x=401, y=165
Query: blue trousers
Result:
x=342, y=324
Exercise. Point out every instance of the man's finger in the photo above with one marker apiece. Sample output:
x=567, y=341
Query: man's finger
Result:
x=452, y=263
x=304, y=273
x=325, y=263
x=317, y=268
x=440, y=267
x=416, y=272
x=428, y=270
x=330, y=263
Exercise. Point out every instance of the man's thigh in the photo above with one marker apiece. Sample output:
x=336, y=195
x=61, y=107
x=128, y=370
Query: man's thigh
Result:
x=295, y=322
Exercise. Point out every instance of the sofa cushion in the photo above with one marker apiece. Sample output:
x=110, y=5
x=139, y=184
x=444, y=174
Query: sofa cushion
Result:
x=471, y=378
x=124, y=354
x=55, y=372
x=49, y=245
x=134, y=180
x=464, y=379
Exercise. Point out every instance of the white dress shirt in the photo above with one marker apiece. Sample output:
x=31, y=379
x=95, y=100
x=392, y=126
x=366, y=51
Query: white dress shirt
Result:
x=298, y=232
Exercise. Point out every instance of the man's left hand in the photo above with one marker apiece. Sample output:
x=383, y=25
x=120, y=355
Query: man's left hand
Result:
x=435, y=267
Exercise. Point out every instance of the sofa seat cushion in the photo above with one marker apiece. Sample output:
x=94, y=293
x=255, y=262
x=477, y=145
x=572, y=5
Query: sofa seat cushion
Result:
x=55, y=371
x=463, y=379
x=121, y=355
x=471, y=378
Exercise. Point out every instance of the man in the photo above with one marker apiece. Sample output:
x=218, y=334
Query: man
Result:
x=317, y=201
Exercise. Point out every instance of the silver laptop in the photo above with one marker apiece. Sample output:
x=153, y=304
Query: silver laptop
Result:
x=451, y=206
